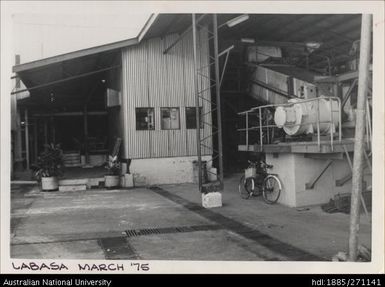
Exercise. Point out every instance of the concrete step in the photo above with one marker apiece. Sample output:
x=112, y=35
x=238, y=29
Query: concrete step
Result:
x=94, y=181
x=78, y=181
x=72, y=187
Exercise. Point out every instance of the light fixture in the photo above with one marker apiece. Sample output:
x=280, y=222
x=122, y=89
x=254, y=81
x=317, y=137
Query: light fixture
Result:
x=248, y=40
x=237, y=20
x=103, y=81
x=312, y=46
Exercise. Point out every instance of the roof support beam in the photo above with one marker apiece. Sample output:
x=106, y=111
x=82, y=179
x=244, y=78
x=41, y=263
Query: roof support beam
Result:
x=65, y=80
x=182, y=35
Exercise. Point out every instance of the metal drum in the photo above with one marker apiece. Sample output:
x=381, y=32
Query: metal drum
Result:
x=300, y=116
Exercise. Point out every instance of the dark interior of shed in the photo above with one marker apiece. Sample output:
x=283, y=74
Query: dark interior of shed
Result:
x=72, y=113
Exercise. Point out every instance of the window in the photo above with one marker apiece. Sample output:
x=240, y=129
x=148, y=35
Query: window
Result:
x=145, y=119
x=170, y=118
x=191, y=122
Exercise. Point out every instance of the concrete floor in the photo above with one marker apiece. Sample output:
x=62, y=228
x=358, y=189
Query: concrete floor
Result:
x=92, y=224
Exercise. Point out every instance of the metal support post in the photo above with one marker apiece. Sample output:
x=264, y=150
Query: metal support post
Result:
x=359, y=135
x=35, y=140
x=218, y=98
x=197, y=113
x=26, y=121
x=247, y=131
x=85, y=121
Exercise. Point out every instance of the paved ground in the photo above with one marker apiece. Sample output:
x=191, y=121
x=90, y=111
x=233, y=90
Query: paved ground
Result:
x=168, y=222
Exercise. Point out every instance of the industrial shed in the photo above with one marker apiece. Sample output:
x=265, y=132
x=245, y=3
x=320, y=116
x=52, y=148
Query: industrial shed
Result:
x=182, y=72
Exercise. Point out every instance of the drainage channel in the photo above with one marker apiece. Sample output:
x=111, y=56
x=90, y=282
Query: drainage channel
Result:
x=167, y=230
x=273, y=244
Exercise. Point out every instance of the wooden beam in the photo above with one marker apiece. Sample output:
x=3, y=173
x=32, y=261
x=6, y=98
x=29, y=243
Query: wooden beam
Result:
x=65, y=80
x=357, y=178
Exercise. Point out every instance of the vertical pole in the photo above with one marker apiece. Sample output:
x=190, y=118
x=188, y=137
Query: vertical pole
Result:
x=359, y=135
x=85, y=122
x=339, y=121
x=218, y=98
x=247, y=131
x=18, y=136
x=197, y=113
x=368, y=118
x=26, y=136
x=331, y=124
x=45, y=131
x=260, y=128
x=18, y=139
x=35, y=141
x=318, y=127
x=53, y=139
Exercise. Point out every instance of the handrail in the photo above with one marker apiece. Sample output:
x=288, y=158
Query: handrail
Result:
x=260, y=127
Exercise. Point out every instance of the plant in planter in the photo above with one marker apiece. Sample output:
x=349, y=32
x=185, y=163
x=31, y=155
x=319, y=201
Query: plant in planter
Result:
x=49, y=166
x=112, y=179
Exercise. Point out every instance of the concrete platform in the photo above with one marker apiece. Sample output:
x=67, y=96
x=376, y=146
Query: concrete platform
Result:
x=301, y=147
x=79, y=225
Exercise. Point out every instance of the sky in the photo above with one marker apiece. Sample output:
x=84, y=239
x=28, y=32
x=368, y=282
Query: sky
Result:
x=51, y=30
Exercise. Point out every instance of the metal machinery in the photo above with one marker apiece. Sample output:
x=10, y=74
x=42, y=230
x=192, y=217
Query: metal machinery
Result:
x=320, y=115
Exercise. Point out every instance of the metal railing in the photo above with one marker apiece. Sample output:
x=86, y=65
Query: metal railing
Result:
x=261, y=110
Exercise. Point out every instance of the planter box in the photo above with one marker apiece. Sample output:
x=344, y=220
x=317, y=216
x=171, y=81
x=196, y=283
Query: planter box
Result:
x=212, y=199
x=111, y=180
x=49, y=183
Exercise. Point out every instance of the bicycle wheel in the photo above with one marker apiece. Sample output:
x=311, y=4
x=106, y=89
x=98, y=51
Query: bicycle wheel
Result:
x=271, y=189
x=246, y=187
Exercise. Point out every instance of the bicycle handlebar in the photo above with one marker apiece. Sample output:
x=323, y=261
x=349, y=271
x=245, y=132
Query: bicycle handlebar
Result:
x=263, y=164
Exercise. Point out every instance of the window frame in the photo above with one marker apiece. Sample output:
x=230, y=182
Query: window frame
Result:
x=161, y=118
x=148, y=113
x=200, y=113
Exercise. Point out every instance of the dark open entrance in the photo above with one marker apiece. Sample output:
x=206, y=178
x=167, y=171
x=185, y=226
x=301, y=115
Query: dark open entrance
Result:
x=70, y=104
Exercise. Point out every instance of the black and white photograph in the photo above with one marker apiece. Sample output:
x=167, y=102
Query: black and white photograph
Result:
x=192, y=136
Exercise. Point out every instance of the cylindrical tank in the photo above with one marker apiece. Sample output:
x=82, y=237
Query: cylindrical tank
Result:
x=301, y=117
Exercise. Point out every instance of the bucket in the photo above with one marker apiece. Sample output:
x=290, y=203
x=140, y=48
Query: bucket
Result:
x=111, y=180
x=49, y=183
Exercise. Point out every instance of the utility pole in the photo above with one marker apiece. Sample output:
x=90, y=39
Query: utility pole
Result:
x=357, y=174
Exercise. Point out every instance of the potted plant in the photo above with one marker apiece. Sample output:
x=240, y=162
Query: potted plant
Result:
x=49, y=166
x=112, y=179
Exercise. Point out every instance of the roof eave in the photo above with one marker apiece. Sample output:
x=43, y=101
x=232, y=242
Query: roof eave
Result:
x=75, y=54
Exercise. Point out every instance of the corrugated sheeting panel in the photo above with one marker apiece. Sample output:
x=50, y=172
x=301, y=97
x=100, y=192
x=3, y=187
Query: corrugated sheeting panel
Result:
x=151, y=79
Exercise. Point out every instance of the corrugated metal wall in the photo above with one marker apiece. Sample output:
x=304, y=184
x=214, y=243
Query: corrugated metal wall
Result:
x=151, y=79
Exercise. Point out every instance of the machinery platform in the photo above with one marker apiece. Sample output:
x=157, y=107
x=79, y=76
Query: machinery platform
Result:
x=302, y=147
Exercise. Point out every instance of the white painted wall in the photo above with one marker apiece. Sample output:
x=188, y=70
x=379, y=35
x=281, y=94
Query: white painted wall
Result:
x=284, y=167
x=294, y=171
x=164, y=170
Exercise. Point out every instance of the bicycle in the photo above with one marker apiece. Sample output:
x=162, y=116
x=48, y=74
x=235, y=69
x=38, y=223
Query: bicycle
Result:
x=256, y=180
